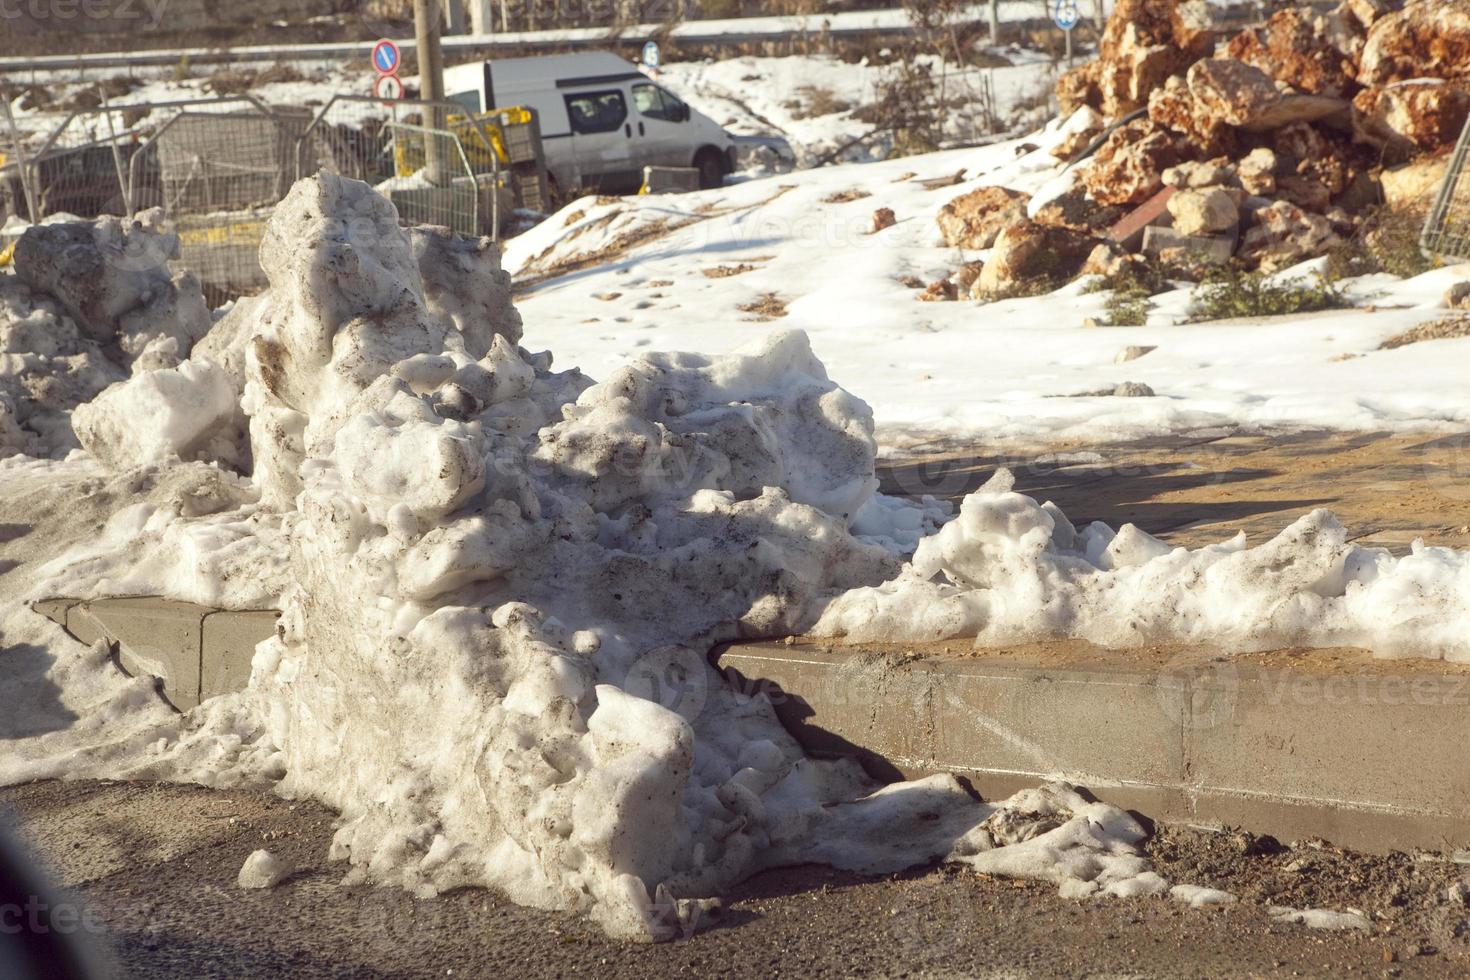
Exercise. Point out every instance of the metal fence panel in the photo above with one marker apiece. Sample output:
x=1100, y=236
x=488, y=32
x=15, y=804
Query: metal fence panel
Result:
x=1447, y=226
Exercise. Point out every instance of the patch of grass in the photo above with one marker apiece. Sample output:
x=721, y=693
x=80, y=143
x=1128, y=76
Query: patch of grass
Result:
x=1022, y=288
x=842, y=197
x=1445, y=328
x=1131, y=287
x=815, y=101
x=1229, y=293
x=726, y=271
x=1387, y=241
x=768, y=307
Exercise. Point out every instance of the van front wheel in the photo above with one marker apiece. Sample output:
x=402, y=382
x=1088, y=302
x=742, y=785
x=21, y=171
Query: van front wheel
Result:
x=711, y=166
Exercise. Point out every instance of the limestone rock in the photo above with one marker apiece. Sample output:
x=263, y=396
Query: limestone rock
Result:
x=1311, y=52
x=1203, y=212
x=1414, y=185
x=1457, y=297
x=1197, y=174
x=1145, y=42
x=1304, y=191
x=1133, y=389
x=1257, y=171
x=1426, y=39
x=1078, y=132
x=1027, y=250
x=1172, y=106
x=1406, y=118
x=1074, y=209
x=1284, y=235
x=883, y=218
x=1231, y=91
x=973, y=220
x=1133, y=352
x=1129, y=167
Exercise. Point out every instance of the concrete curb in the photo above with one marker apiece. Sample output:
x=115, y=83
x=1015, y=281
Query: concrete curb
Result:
x=196, y=652
x=1372, y=759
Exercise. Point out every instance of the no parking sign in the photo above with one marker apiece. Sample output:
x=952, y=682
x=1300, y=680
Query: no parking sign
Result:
x=386, y=58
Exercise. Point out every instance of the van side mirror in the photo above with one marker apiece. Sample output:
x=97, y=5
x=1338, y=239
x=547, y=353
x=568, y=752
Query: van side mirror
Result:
x=681, y=114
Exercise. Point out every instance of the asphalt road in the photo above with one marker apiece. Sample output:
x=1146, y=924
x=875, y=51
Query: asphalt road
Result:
x=157, y=864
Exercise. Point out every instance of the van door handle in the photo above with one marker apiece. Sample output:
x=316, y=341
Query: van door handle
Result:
x=628, y=130
x=640, y=130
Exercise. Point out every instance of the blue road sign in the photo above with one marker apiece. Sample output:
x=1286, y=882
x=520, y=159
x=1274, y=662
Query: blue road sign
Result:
x=650, y=55
x=1065, y=14
x=385, y=57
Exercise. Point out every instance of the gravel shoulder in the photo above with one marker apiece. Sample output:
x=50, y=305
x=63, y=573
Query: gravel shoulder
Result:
x=157, y=863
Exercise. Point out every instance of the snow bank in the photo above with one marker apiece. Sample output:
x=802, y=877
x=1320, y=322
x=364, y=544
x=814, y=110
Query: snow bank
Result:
x=516, y=571
x=89, y=302
x=1011, y=570
x=47, y=366
x=498, y=582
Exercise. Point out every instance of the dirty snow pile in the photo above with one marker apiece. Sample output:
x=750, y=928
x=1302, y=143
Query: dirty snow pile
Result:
x=90, y=302
x=1008, y=570
x=500, y=582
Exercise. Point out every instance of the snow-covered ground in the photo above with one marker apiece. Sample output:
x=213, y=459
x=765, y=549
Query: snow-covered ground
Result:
x=792, y=97
x=1015, y=368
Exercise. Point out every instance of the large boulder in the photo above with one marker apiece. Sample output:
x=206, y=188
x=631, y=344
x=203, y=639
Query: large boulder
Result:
x=1284, y=235
x=1145, y=42
x=973, y=220
x=1309, y=51
x=1231, y=92
x=1406, y=118
x=1427, y=39
x=1129, y=167
x=1028, y=251
x=1174, y=107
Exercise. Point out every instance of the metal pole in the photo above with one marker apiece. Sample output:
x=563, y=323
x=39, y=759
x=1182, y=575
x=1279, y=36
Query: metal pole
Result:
x=454, y=17
x=22, y=166
x=482, y=17
x=995, y=21
x=431, y=80
x=1099, y=17
x=117, y=164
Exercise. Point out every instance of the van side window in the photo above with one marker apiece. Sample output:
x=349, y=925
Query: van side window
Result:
x=596, y=112
x=655, y=103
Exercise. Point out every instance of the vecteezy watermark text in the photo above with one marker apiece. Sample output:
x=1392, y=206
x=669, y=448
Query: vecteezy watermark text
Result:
x=129, y=13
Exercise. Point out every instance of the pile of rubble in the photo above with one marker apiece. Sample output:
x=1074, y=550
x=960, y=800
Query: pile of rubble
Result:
x=1266, y=150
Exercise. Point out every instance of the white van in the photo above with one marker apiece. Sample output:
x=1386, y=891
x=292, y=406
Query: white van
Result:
x=602, y=120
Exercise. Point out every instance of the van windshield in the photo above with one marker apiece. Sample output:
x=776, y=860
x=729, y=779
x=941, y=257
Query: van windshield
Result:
x=655, y=103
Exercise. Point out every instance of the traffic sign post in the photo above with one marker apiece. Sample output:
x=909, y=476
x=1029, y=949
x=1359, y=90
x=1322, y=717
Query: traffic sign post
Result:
x=386, y=59
x=651, y=56
x=1066, y=14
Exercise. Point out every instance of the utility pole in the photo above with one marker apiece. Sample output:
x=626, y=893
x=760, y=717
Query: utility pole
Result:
x=431, y=83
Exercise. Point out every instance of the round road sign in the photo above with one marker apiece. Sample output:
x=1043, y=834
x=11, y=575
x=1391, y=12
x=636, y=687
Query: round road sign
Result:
x=388, y=88
x=1066, y=14
x=385, y=57
x=650, y=55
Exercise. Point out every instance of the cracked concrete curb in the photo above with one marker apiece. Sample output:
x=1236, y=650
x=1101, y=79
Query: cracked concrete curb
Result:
x=1372, y=759
x=196, y=652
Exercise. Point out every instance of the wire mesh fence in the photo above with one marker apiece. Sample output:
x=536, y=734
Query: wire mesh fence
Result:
x=1446, y=232
x=217, y=167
